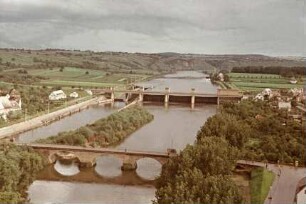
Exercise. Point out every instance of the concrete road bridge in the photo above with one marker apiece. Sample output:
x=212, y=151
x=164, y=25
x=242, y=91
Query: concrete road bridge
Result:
x=86, y=156
x=166, y=96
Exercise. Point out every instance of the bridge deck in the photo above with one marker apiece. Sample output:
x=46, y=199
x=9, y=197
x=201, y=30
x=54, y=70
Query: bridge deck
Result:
x=94, y=150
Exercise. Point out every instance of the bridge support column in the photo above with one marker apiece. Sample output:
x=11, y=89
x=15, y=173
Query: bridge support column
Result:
x=167, y=95
x=192, y=96
x=140, y=97
x=112, y=94
x=129, y=164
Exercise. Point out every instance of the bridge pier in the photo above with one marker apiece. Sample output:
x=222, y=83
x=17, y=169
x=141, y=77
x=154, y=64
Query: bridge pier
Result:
x=140, y=97
x=167, y=94
x=112, y=94
x=129, y=164
x=192, y=96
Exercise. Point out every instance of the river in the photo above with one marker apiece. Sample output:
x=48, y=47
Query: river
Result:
x=174, y=126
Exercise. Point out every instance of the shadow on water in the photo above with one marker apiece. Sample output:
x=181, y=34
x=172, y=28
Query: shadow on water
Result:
x=70, y=172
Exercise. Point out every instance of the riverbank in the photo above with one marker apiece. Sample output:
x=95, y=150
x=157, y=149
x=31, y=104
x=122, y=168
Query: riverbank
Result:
x=14, y=130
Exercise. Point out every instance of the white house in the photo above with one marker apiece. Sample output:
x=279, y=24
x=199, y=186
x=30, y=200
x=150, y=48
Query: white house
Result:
x=267, y=92
x=57, y=95
x=10, y=102
x=88, y=91
x=74, y=95
x=259, y=97
x=293, y=81
x=284, y=105
x=221, y=76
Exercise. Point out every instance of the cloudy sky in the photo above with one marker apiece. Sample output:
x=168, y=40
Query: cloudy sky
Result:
x=273, y=27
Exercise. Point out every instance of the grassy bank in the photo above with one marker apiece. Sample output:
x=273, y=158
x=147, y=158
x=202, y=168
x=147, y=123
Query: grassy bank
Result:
x=261, y=180
x=106, y=131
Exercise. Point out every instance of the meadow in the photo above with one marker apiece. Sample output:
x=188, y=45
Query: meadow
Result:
x=257, y=82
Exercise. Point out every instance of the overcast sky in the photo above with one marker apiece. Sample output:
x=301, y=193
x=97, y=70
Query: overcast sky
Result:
x=273, y=27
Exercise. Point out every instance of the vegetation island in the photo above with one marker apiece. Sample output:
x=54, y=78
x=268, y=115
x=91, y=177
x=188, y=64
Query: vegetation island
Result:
x=106, y=131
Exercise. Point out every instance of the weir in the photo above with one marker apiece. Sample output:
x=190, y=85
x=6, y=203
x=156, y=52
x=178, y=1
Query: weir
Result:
x=167, y=96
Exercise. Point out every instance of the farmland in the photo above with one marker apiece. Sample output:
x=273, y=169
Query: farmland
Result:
x=257, y=82
x=79, y=77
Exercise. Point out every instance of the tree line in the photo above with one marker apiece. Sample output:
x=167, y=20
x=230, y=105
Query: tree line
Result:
x=283, y=71
x=106, y=131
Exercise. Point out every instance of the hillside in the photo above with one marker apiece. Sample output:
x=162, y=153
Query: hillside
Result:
x=139, y=62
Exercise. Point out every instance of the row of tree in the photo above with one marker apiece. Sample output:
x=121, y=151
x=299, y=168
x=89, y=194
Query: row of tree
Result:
x=18, y=169
x=106, y=131
x=283, y=71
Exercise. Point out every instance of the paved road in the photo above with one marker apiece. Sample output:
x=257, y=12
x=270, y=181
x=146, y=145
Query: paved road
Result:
x=39, y=121
x=284, y=186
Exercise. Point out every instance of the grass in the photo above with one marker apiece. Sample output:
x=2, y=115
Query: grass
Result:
x=261, y=180
x=73, y=76
x=257, y=82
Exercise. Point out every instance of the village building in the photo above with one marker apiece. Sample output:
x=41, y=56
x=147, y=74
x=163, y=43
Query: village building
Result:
x=284, y=105
x=74, y=95
x=9, y=103
x=88, y=91
x=293, y=80
x=221, y=76
x=57, y=95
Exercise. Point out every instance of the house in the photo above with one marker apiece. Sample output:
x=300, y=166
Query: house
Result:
x=293, y=80
x=88, y=91
x=9, y=102
x=284, y=105
x=267, y=93
x=57, y=95
x=259, y=97
x=221, y=76
x=300, y=193
x=74, y=95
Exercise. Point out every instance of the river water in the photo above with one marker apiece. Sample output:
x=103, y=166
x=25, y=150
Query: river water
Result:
x=174, y=126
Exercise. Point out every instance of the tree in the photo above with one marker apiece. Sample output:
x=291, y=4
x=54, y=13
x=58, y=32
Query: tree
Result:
x=199, y=174
x=87, y=72
x=62, y=69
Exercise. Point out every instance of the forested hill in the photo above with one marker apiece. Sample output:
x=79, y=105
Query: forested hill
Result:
x=122, y=61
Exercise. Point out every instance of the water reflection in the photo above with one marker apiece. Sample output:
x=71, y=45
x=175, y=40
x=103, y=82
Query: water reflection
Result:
x=148, y=168
x=66, y=168
x=108, y=166
x=43, y=192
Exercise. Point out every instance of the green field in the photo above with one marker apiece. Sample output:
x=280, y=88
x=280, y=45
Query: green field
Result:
x=257, y=82
x=80, y=77
x=261, y=180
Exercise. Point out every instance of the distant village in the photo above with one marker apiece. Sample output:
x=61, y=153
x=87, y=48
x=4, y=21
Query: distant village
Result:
x=10, y=101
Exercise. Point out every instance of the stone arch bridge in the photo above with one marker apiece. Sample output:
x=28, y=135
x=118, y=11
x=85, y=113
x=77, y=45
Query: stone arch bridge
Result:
x=86, y=156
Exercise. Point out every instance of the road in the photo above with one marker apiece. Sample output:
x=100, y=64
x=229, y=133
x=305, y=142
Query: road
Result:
x=284, y=186
x=40, y=120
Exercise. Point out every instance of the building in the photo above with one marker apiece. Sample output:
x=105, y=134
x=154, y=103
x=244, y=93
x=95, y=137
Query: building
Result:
x=293, y=81
x=9, y=103
x=74, y=95
x=300, y=194
x=284, y=105
x=221, y=76
x=88, y=91
x=57, y=95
